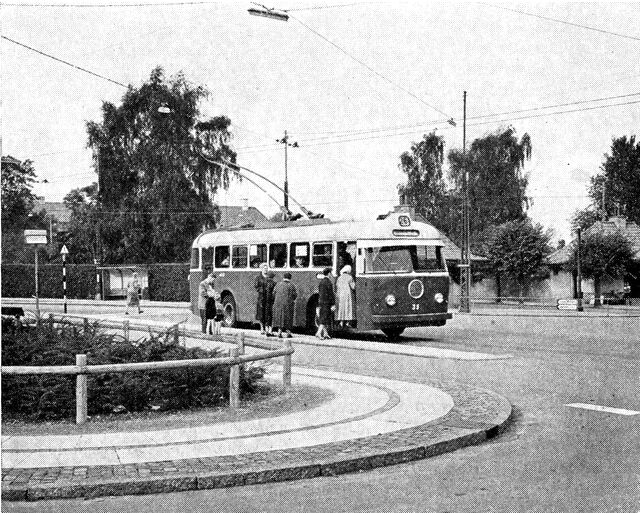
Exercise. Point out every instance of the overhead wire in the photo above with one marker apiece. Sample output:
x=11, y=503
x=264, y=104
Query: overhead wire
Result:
x=65, y=62
x=564, y=22
x=372, y=70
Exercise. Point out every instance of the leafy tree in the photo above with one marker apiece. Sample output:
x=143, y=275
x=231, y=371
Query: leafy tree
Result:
x=18, y=201
x=620, y=178
x=584, y=219
x=496, y=184
x=516, y=250
x=82, y=240
x=158, y=173
x=603, y=254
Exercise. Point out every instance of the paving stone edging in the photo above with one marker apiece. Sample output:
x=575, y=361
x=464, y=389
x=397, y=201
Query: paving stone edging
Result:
x=477, y=415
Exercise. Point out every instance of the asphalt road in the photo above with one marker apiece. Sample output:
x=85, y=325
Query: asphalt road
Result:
x=552, y=458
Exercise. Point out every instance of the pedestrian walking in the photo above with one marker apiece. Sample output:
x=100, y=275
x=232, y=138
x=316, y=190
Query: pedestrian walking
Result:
x=326, y=303
x=203, y=294
x=284, y=298
x=264, y=284
x=134, y=290
x=345, y=297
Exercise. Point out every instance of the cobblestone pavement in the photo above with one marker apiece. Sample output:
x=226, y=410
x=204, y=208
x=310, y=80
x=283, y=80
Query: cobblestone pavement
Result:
x=476, y=415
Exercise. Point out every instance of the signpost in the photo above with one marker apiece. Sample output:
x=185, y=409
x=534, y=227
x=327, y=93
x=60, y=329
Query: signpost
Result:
x=64, y=252
x=36, y=237
x=567, y=304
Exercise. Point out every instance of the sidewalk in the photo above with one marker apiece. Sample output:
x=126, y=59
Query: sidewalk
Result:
x=370, y=422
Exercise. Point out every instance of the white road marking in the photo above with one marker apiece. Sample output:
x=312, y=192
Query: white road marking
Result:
x=606, y=409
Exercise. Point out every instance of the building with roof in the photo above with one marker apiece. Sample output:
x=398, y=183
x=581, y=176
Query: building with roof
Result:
x=240, y=215
x=563, y=281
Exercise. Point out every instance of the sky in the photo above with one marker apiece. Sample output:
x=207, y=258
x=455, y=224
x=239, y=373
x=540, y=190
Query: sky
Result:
x=354, y=83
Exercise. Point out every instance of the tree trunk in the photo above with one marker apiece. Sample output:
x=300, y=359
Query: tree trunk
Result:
x=597, y=286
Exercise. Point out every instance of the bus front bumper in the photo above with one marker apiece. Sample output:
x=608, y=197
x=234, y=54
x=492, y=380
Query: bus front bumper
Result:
x=408, y=320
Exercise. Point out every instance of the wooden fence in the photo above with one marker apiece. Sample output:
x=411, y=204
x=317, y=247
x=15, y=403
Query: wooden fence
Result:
x=235, y=359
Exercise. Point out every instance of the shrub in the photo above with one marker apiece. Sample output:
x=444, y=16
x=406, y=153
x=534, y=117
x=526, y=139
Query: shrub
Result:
x=53, y=396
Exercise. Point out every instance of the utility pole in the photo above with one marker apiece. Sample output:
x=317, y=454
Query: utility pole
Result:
x=285, y=141
x=465, y=260
x=579, y=306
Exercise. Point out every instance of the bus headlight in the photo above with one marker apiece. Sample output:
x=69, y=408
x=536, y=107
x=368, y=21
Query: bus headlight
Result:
x=391, y=300
x=438, y=297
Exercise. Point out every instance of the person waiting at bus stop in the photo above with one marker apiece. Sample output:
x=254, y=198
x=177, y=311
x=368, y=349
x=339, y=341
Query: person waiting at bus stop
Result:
x=284, y=298
x=345, y=292
x=264, y=284
x=326, y=303
x=213, y=311
x=203, y=294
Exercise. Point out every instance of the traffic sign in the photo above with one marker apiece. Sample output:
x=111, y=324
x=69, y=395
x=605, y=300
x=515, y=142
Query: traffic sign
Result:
x=35, y=236
x=64, y=251
x=567, y=304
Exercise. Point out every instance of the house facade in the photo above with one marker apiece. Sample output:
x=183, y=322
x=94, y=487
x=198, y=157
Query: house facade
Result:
x=562, y=282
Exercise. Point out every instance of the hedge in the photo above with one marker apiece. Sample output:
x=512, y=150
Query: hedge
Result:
x=18, y=281
x=53, y=396
x=167, y=282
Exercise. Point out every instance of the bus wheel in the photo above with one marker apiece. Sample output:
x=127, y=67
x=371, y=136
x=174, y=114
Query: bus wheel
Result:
x=230, y=311
x=392, y=333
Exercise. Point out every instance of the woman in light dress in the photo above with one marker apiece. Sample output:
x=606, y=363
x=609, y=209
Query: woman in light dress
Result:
x=345, y=297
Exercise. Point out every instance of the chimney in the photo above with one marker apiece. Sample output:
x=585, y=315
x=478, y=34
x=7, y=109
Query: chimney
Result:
x=245, y=204
x=619, y=221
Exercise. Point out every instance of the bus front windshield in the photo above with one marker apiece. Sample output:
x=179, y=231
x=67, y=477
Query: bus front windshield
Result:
x=403, y=259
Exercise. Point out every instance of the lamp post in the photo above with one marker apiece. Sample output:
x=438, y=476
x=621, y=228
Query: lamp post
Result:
x=579, y=274
x=465, y=260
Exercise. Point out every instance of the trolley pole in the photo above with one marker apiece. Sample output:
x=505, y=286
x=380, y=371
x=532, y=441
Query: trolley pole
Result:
x=465, y=260
x=64, y=252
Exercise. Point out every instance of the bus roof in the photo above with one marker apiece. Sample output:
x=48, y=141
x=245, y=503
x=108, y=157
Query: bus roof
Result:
x=396, y=226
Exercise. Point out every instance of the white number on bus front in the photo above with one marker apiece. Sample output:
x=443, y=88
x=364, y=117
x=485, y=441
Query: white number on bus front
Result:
x=415, y=306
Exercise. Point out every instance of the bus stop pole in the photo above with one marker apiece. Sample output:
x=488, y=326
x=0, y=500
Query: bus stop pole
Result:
x=37, y=299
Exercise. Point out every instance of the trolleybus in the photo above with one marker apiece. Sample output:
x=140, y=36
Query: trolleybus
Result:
x=398, y=264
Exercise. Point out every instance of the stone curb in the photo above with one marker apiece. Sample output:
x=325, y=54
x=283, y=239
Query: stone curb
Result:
x=477, y=415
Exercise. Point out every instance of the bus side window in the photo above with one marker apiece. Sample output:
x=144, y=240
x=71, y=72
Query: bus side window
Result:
x=239, y=257
x=207, y=258
x=277, y=255
x=299, y=255
x=322, y=254
x=222, y=256
x=257, y=254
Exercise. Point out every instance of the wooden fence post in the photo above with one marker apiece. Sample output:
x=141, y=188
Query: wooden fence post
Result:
x=176, y=335
x=234, y=381
x=286, y=366
x=81, y=389
x=51, y=321
x=125, y=330
x=85, y=325
x=241, y=343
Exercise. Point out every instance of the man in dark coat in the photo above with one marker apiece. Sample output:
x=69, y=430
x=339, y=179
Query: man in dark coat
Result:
x=326, y=303
x=284, y=298
x=264, y=284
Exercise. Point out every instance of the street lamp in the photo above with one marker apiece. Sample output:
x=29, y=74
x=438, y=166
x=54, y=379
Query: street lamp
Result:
x=465, y=253
x=267, y=12
x=579, y=274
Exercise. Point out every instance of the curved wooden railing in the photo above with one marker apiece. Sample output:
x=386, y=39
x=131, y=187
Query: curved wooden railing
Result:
x=235, y=359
